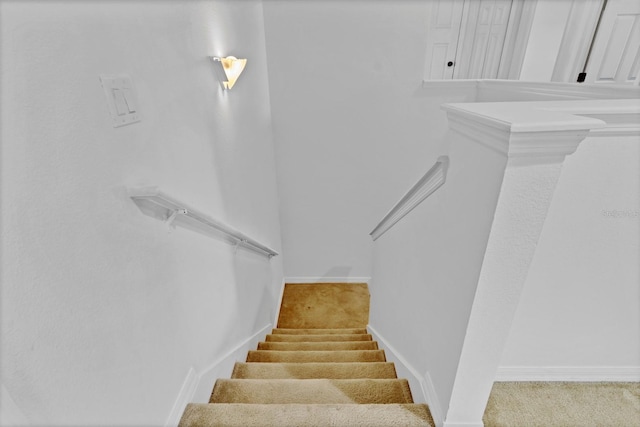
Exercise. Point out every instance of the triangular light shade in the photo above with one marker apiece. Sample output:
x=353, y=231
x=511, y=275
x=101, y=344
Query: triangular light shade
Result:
x=231, y=69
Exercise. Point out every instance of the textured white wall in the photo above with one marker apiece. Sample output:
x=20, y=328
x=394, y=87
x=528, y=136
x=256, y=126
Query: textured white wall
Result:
x=354, y=128
x=103, y=310
x=580, y=308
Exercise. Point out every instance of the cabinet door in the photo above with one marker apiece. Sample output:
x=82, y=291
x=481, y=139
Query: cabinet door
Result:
x=444, y=21
x=615, y=57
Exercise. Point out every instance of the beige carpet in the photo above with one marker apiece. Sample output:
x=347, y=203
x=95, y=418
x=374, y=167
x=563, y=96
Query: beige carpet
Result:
x=563, y=404
x=318, y=346
x=332, y=370
x=273, y=356
x=319, y=368
x=317, y=337
x=324, y=305
x=295, y=415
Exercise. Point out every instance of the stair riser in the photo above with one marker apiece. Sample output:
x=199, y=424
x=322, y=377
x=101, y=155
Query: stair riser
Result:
x=318, y=346
x=318, y=331
x=269, y=356
x=318, y=338
x=362, y=391
x=295, y=415
x=379, y=370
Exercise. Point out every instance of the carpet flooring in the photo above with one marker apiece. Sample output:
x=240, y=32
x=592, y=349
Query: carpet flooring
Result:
x=324, y=305
x=563, y=404
x=319, y=367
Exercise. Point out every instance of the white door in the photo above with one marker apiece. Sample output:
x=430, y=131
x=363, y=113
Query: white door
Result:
x=615, y=56
x=481, y=50
x=445, y=17
x=466, y=39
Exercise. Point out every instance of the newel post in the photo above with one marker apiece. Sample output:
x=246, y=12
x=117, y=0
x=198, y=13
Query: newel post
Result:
x=535, y=143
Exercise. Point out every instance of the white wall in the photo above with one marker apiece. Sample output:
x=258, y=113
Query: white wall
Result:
x=103, y=310
x=547, y=29
x=354, y=128
x=426, y=267
x=579, y=314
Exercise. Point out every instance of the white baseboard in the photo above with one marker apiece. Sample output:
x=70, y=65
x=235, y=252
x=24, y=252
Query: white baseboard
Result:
x=279, y=303
x=454, y=424
x=423, y=384
x=197, y=387
x=569, y=373
x=311, y=279
x=184, y=396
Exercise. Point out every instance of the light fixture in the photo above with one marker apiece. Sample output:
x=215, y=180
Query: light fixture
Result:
x=229, y=69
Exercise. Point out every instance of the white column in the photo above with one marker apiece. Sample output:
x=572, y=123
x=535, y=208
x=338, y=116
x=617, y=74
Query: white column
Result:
x=535, y=143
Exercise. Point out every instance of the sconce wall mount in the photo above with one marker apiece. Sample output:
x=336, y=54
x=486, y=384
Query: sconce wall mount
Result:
x=228, y=69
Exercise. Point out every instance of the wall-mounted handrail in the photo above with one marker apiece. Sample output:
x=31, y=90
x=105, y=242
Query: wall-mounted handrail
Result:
x=425, y=186
x=157, y=204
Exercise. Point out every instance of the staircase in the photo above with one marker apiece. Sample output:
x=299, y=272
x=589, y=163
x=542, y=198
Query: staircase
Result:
x=320, y=367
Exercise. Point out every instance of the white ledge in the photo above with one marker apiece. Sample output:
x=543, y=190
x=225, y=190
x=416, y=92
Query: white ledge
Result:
x=429, y=183
x=532, y=131
x=155, y=203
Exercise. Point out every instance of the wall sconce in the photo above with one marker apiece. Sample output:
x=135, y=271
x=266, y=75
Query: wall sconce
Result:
x=228, y=69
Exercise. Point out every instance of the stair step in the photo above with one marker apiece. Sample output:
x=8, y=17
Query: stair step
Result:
x=316, y=356
x=318, y=346
x=314, y=370
x=296, y=415
x=318, y=331
x=311, y=391
x=317, y=337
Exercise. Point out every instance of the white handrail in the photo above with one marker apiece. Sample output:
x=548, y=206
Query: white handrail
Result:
x=159, y=205
x=429, y=183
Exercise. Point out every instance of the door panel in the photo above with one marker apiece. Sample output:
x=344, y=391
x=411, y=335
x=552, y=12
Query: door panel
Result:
x=615, y=54
x=442, y=38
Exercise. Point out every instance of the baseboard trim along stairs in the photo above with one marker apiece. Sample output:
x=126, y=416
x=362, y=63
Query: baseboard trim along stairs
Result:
x=313, y=371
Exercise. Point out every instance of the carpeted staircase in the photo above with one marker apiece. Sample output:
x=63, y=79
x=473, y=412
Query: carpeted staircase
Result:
x=320, y=367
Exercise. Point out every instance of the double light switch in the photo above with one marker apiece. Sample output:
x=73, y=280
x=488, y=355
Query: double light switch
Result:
x=121, y=99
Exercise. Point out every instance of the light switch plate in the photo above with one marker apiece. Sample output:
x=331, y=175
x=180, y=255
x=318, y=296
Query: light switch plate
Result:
x=121, y=99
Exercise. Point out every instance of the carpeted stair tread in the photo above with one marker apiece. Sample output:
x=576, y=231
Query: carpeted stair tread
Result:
x=311, y=391
x=317, y=337
x=320, y=367
x=342, y=331
x=324, y=305
x=314, y=370
x=313, y=415
x=316, y=356
x=318, y=346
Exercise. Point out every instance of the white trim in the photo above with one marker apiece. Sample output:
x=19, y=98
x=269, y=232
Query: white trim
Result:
x=314, y=279
x=427, y=388
x=454, y=424
x=549, y=91
x=279, y=303
x=197, y=388
x=517, y=38
x=430, y=182
x=546, y=145
x=569, y=373
x=185, y=396
x=450, y=84
x=523, y=91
